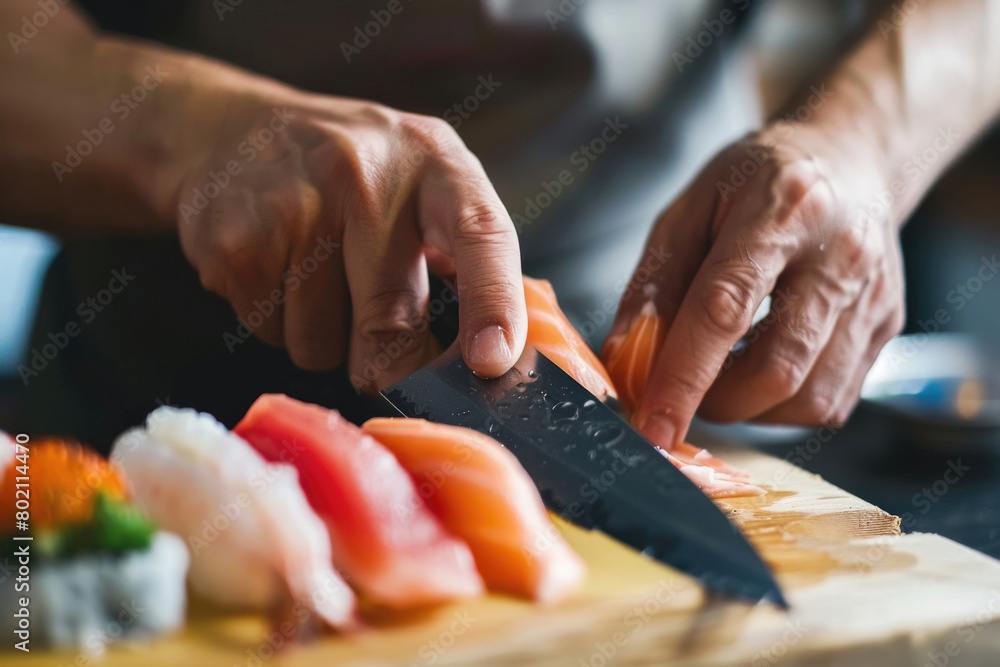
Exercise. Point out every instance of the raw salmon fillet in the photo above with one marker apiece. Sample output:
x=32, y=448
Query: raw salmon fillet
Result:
x=553, y=335
x=629, y=359
x=386, y=542
x=480, y=492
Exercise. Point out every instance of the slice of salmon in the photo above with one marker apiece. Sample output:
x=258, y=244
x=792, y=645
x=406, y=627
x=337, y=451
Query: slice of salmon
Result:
x=552, y=334
x=629, y=358
x=385, y=541
x=480, y=492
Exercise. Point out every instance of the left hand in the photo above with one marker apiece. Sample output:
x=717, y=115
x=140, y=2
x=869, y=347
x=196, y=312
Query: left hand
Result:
x=802, y=222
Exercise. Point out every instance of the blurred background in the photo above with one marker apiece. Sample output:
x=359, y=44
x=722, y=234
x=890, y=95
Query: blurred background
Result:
x=107, y=379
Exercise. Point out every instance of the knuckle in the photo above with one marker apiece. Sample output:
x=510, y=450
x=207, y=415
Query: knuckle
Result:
x=293, y=205
x=430, y=134
x=786, y=367
x=489, y=300
x=391, y=316
x=819, y=405
x=802, y=192
x=484, y=224
x=380, y=116
x=728, y=302
x=854, y=255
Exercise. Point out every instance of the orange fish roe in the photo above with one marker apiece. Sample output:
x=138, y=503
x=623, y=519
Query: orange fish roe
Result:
x=65, y=477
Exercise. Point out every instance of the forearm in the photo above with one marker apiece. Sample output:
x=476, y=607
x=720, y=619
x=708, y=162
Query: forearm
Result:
x=918, y=89
x=94, y=130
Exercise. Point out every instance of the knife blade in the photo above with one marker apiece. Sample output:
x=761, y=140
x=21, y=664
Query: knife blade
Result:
x=590, y=466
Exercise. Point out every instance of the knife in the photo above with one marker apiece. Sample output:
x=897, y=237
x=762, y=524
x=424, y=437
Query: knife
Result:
x=590, y=466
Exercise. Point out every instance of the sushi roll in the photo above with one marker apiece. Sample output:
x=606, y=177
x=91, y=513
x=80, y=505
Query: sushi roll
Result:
x=96, y=569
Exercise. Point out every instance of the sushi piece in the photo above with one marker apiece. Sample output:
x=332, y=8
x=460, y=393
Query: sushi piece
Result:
x=100, y=571
x=629, y=358
x=481, y=493
x=253, y=538
x=552, y=334
x=384, y=538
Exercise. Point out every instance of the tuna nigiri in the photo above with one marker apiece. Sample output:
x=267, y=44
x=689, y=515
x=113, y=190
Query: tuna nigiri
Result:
x=247, y=523
x=553, y=335
x=629, y=358
x=481, y=493
x=384, y=537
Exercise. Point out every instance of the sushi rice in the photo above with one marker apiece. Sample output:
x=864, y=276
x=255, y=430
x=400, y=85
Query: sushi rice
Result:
x=99, y=571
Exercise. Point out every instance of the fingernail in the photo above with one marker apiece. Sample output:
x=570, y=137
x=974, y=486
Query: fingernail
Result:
x=659, y=430
x=490, y=347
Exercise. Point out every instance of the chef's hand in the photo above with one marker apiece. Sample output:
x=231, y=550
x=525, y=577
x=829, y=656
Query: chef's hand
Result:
x=794, y=212
x=318, y=217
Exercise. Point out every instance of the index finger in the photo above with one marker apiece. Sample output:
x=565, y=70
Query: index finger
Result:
x=715, y=313
x=462, y=216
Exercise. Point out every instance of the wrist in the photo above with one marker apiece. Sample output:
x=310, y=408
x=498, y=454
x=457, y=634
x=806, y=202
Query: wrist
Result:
x=170, y=112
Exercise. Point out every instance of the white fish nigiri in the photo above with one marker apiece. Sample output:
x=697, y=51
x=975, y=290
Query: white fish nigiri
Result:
x=246, y=522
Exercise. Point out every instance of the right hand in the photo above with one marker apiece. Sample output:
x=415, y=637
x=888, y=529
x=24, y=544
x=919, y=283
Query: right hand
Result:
x=335, y=212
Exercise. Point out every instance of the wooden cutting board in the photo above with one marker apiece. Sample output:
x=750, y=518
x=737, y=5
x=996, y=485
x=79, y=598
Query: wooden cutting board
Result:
x=861, y=594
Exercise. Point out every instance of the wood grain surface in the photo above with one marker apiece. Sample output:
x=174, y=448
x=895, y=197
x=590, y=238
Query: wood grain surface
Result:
x=861, y=594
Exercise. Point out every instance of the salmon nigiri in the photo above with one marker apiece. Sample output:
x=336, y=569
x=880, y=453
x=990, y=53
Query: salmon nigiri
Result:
x=629, y=358
x=385, y=540
x=553, y=335
x=482, y=494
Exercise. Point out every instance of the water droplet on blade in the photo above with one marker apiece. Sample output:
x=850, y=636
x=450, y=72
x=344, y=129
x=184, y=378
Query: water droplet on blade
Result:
x=565, y=411
x=606, y=436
